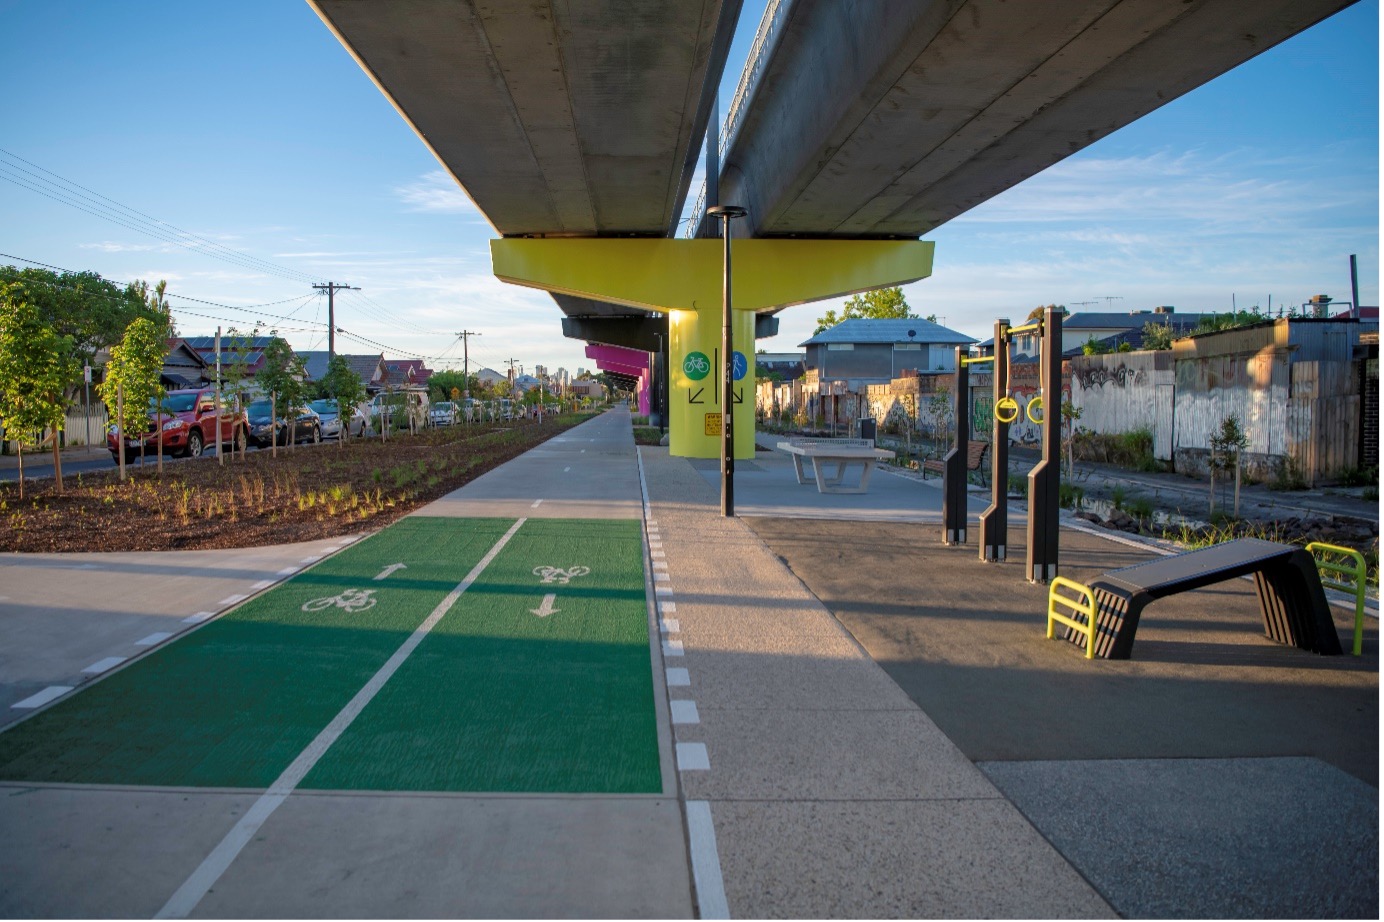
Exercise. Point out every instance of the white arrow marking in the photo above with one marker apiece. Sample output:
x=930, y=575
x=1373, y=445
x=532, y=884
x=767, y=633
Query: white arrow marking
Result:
x=390, y=569
x=546, y=608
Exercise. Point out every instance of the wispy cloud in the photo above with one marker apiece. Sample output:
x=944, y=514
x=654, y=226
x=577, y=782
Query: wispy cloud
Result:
x=436, y=192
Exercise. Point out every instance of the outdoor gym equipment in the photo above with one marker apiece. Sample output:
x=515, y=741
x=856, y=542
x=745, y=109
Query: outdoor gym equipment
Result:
x=1044, y=479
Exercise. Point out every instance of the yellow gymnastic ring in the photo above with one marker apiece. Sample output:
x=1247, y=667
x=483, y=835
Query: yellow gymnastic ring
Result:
x=1006, y=410
x=1038, y=402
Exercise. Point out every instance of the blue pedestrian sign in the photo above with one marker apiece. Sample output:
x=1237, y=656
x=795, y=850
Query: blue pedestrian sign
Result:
x=738, y=366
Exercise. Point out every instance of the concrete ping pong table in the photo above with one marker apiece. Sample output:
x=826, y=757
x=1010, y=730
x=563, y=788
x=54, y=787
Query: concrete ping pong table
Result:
x=844, y=453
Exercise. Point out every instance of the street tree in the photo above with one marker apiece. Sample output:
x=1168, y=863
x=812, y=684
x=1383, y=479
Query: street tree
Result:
x=131, y=387
x=343, y=385
x=36, y=367
x=282, y=378
x=236, y=382
x=880, y=304
x=1037, y=312
x=93, y=312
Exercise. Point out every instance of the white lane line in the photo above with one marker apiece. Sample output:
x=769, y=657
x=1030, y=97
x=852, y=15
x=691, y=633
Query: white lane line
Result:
x=672, y=648
x=583, y=451
x=706, y=862
x=535, y=504
x=685, y=712
x=677, y=676
x=660, y=564
x=232, y=599
x=156, y=637
x=692, y=757
x=287, y=571
x=657, y=555
x=655, y=545
x=310, y=560
x=566, y=469
x=667, y=608
x=661, y=577
x=101, y=665
x=651, y=521
x=262, y=584
x=663, y=590
x=198, y=618
x=671, y=626
x=42, y=698
x=186, y=898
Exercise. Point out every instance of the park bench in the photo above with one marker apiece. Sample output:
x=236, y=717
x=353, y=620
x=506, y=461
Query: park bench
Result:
x=1104, y=616
x=844, y=453
x=975, y=456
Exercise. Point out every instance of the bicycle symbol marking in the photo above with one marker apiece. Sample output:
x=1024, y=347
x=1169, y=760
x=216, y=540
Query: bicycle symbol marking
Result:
x=696, y=365
x=352, y=600
x=559, y=575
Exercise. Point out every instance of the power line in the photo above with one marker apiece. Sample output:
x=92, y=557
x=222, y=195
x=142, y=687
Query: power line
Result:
x=131, y=218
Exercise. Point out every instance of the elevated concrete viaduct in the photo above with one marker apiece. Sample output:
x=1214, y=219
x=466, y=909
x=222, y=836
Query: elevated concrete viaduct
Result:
x=866, y=124
x=885, y=119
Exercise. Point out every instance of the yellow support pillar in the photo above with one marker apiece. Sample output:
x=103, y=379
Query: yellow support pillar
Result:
x=694, y=383
x=683, y=279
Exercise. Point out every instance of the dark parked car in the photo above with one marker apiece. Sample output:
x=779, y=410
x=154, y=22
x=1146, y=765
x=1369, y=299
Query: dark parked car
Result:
x=188, y=420
x=307, y=426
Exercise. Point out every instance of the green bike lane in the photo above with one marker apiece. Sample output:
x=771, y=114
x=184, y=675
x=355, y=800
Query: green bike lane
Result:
x=536, y=679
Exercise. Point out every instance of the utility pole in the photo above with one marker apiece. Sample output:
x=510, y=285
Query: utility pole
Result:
x=466, y=361
x=331, y=288
x=511, y=363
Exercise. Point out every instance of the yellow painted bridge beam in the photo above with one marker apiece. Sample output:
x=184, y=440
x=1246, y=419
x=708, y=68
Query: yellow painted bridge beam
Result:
x=663, y=275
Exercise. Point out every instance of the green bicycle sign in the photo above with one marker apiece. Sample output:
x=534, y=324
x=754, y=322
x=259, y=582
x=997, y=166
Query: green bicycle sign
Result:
x=696, y=365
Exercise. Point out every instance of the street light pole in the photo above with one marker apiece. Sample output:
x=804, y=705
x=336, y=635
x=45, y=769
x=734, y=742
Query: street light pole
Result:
x=726, y=213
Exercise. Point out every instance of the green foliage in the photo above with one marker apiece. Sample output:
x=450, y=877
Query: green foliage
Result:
x=1037, y=312
x=1211, y=323
x=1133, y=449
x=132, y=375
x=1158, y=336
x=880, y=304
x=1069, y=496
x=1125, y=347
x=36, y=365
x=1288, y=476
x=1092, y=346
x=1227, y=444
x=442, y=383
x=345, y=387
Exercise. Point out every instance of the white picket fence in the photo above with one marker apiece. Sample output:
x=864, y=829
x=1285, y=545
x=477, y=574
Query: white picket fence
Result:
x=77, y=426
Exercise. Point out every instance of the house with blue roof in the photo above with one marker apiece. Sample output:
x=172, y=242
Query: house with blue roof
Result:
x=861, y=351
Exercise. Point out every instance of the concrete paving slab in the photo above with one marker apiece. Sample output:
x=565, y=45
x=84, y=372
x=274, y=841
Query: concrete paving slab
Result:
x=437, y=856
x=965, y=640
x=63, y=612
x=104, y=852
x=1209, y=838
x=784, y=754
x=921, y=859
x=741, y=679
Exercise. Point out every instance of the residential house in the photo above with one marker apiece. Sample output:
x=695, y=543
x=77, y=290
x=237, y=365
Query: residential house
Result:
x=205, y=346
x=406, y=373
x=790, y=365
x=183, y=367
x=370, y=368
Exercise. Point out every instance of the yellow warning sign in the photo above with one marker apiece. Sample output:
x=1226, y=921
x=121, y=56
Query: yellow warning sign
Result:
x=712, y=424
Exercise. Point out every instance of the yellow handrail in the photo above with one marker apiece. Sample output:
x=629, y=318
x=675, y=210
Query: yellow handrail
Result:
x=1086, y=605
x=1356, y=572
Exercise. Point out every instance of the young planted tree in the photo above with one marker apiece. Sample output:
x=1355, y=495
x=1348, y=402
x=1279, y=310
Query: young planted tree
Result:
x=1227, y=444
x=282, y=378
x=132, y=386
x=345, y=386
x=36, y=368
x=236, y=382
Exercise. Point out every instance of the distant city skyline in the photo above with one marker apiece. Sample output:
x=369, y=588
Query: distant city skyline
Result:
x=250, y=127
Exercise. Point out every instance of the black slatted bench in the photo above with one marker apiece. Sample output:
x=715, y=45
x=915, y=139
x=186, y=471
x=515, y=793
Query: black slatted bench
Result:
x=1291, y=599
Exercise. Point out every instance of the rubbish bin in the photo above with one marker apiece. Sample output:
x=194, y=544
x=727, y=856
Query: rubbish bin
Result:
x=867, y=428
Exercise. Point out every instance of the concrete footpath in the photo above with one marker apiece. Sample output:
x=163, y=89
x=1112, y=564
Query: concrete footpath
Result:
x=852, y=722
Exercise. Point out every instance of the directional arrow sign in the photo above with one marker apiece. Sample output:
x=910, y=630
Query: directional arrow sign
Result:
x=390, y=569
x=693, y=395
x=546, y=608
x=738, y=396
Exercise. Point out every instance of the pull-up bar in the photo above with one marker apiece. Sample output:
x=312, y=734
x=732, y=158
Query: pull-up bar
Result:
x=978, y=361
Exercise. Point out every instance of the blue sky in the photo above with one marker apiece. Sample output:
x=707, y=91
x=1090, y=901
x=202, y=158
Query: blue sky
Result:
x=246, y=124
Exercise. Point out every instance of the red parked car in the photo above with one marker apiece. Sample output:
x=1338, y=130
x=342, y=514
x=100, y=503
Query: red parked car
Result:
x=189, y=426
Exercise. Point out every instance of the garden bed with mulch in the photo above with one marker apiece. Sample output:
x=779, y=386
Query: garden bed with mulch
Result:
x=259, y=499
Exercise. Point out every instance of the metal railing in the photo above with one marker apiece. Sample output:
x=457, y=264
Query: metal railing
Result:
x=764, y=39
x=1331, y=562
x=1083, y=617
